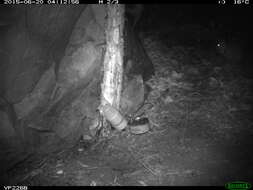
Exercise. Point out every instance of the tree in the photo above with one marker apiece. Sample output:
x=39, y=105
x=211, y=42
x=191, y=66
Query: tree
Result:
x=113, y=61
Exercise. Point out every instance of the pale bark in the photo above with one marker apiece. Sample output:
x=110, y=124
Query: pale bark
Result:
x=113, y=61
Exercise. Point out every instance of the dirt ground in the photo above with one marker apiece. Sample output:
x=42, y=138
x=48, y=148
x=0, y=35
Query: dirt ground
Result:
x=201, y=131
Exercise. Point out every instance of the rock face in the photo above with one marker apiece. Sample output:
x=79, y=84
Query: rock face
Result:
x=30, y=44
x=51, y=64
x=39, y=96
x=32, y=40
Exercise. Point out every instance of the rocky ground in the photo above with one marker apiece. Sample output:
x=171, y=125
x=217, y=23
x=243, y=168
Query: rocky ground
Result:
x=199, y=110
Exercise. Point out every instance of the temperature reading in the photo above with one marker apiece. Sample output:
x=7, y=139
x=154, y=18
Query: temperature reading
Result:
x=239, y=2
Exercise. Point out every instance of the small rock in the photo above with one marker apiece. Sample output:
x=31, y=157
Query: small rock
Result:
x=168, y=99
x=80, y=149
x=59, y=172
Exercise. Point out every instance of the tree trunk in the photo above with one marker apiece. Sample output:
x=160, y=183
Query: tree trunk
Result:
x=113, y=61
